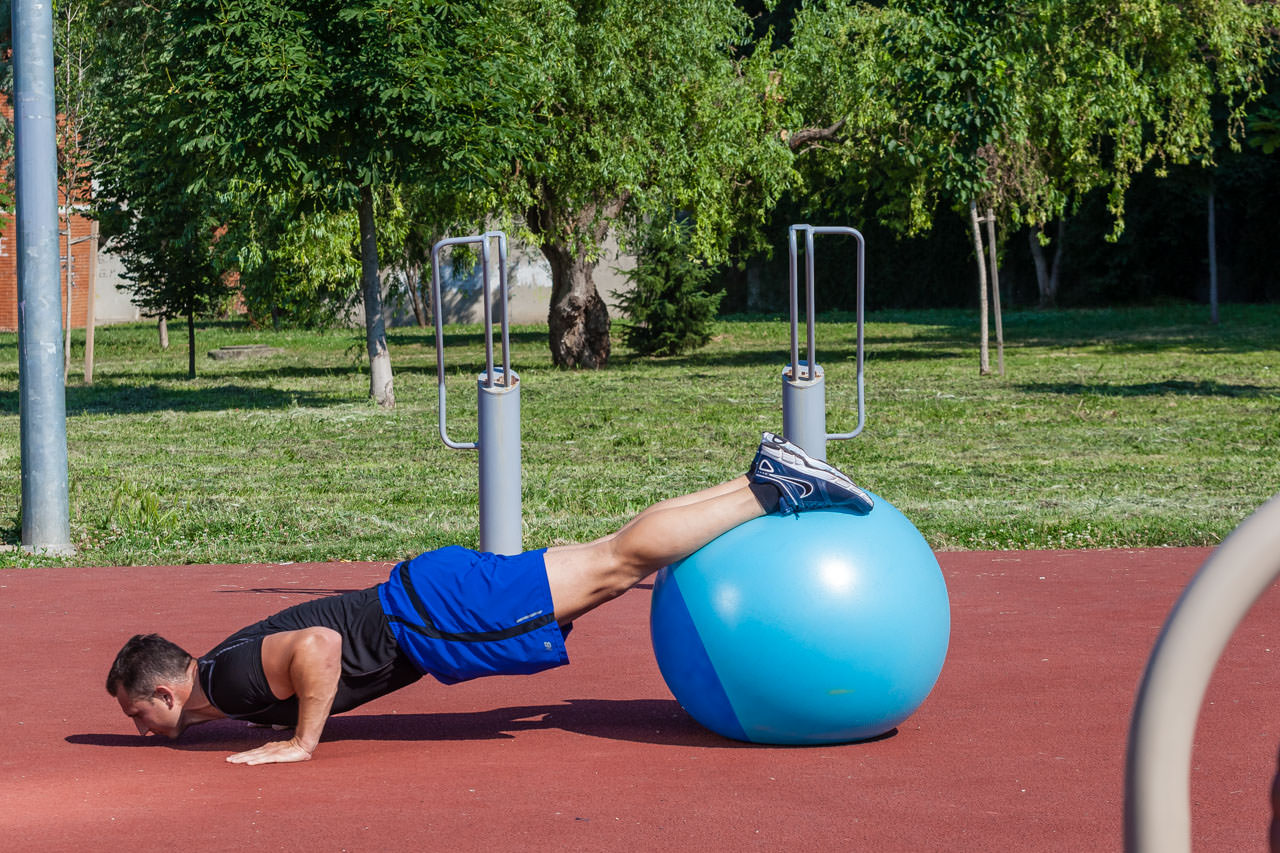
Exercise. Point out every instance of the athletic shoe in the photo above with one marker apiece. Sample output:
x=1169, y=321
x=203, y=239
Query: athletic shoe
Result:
x=802, y=481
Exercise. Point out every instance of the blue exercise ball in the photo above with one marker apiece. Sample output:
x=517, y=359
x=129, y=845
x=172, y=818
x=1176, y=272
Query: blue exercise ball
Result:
x=822, y=627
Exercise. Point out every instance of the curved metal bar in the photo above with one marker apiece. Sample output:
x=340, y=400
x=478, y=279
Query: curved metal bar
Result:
x=811, y=366
x=861, y=308
x=1157, y=806
x=437, y=310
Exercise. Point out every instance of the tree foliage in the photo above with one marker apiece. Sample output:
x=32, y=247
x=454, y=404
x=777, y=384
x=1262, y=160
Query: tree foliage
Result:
x=298, y=265
x=1026, y=105
x=329, y=135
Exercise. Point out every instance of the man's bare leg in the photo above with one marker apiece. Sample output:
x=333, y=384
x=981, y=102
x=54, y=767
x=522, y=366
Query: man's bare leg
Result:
x=584, y=576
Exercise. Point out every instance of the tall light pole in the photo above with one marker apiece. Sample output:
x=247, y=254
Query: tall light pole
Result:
x=42, y=404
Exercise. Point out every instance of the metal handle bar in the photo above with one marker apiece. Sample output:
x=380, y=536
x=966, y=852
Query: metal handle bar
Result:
x=811, y=364
x=1157, y=803
x=504, y=378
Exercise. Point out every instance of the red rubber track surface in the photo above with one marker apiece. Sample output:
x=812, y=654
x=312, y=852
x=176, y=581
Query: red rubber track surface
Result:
x=1019, y=748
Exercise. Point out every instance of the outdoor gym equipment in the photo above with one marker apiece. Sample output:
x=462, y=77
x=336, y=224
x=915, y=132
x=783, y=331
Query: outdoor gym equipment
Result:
x=498, y=406
x=1157, y=803
x=804, y=404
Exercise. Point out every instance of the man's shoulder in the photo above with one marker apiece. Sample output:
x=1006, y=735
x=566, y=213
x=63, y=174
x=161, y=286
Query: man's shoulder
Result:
x=232, y=678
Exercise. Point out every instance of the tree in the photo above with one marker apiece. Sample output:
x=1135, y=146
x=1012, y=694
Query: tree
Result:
x=669, y=304
x=332, y=100
x=1120, y=87
x=415, y=220
x=162, y=227
x=642, y=107
x=1023, y=107
x=169, y=258
x=920, y=90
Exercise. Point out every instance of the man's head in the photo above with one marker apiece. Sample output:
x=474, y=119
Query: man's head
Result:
x=151, y=678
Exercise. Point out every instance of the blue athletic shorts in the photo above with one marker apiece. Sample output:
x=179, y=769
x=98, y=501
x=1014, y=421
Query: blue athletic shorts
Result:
x=460, y=614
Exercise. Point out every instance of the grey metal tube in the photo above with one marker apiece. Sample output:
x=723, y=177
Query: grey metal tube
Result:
x=500, y=509
x=505, y=321
x=438, y=310
x=1157, y=805
x=804, y=411
x=809, y=320
x=42, y=404
x=795, y=304
x=488, y=377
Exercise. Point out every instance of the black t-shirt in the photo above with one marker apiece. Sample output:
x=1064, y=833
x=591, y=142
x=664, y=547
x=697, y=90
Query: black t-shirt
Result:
x=372, y=666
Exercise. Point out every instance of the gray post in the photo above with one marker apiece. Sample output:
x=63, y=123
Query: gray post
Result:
x=1157, y=803
x=804, y=403
x=42, y=401
x=498, y=405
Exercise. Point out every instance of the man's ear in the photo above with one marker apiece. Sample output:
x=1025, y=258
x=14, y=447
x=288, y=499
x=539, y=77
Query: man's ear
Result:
x=164, y=695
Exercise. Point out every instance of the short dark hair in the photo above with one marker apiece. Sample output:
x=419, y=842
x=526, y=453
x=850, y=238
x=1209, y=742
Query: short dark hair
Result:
x=144, y=662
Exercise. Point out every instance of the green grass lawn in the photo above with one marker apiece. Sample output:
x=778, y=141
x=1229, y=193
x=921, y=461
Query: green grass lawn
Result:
x=1117, y=428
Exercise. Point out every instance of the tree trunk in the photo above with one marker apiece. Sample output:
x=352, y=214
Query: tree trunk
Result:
x=413, y=281
x=1055, y=272
x=91, y=320
x=380, y=380
x=1213, y=258
x=984, y=355
x=191, y=342
x=1048, y=273
x=162, y=327
x=578, y=318
x=69, y=277
x=995, y=290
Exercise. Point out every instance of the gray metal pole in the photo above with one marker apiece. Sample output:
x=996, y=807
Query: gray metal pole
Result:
x=42, y=404
x=498, y=405
x=1157, y=803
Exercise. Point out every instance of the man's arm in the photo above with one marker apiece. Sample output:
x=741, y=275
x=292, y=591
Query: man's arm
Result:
x=306, y=663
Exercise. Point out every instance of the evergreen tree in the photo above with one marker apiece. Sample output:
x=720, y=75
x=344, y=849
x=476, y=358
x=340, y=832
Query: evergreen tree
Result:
x=669, y=306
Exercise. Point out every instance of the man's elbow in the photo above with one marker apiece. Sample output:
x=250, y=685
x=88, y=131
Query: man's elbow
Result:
x=320, y=646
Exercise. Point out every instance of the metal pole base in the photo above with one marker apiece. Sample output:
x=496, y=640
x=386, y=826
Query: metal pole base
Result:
x=804, y=410
x=499, y=444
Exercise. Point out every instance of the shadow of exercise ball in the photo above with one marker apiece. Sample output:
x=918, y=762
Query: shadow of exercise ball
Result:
x=823, y=627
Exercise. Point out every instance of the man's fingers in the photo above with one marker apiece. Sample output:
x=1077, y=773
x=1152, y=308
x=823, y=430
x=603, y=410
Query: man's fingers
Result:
x=280, y=752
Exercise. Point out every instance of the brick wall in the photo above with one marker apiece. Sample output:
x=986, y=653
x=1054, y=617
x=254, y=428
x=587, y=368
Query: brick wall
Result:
x=79, y=266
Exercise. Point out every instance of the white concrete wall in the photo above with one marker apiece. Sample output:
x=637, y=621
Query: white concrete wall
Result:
x=111, y=302
x=528, y=287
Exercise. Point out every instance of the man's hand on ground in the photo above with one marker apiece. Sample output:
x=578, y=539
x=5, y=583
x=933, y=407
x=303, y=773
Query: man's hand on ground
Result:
x=276, y=752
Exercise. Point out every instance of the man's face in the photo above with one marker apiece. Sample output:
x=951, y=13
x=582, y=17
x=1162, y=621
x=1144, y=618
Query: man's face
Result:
x=159, y=713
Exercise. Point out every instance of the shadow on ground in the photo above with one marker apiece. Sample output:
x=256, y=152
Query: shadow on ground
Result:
x=651, y=721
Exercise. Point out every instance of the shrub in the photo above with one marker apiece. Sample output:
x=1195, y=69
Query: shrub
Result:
x=669, y=307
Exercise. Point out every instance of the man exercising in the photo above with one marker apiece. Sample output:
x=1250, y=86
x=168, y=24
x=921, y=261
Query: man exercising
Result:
x=453, y=613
